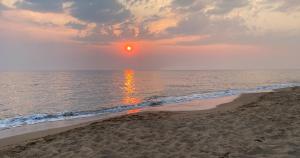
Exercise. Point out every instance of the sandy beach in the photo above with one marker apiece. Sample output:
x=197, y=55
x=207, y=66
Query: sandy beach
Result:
x=253, y=125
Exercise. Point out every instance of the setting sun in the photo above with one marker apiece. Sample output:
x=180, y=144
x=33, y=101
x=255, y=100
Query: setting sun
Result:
x=129, y=48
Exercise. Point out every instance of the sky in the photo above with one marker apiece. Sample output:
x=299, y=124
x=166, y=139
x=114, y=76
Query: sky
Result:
x=164, y=34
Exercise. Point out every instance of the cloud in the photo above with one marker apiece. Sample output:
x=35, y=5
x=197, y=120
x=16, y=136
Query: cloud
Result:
x=225, y=6
x=285, y=5
x=221, y=21
x=211, y=19
x=76, y=26
x=39, y=18
x=216, y=31
x=183, y=3
x=99, y=11
x=1, y=7
x=146, y=20
x=41, y=6
x=192, y=24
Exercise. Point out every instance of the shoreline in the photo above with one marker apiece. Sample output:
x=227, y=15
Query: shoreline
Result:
x=37, y=118
x=21, y=134
x=250, y=125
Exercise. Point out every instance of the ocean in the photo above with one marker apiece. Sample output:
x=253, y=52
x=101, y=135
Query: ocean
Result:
x=35, y=97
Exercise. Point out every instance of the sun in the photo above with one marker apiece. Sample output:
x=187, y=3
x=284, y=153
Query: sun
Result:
x=128, y=48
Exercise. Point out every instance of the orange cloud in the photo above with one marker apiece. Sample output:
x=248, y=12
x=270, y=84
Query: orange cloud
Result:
x=162, y=24
x=40, y=18
x=47, y=26
x=41, y=33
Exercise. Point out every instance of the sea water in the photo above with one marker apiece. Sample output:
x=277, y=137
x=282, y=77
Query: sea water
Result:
x=36, y=97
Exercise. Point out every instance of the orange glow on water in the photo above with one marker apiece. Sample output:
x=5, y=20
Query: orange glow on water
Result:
x=129, y=88
x=133, y=111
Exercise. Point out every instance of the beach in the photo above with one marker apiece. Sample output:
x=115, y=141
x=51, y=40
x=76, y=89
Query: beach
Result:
x=253, y=125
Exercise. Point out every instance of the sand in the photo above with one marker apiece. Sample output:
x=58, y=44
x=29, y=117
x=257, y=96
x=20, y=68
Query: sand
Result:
x=254, y=125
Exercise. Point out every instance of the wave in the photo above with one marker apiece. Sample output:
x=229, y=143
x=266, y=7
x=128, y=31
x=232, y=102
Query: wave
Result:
x=152, y=101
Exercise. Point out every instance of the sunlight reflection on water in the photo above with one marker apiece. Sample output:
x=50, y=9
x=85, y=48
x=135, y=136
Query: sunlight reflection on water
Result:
x=130, y=88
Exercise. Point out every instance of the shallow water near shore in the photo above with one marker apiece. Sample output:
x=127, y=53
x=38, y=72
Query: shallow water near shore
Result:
x=37, y=97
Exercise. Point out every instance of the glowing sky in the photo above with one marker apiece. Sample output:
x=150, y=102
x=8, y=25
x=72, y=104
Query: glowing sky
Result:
x=165, y=34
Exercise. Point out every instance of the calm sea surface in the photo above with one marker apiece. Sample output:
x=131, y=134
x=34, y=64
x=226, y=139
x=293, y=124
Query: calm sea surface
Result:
x=32, y=97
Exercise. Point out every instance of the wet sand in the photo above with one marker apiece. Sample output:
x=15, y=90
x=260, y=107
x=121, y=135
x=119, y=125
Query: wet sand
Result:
x=254, y=125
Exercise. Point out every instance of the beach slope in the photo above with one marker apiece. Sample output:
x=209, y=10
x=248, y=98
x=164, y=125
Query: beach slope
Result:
x=254, y=125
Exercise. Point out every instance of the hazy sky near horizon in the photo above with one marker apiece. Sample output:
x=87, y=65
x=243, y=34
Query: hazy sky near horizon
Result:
x=165, y=34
